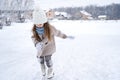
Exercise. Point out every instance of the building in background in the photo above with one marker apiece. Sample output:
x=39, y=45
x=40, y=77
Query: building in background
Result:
x=50, y=14
x=85, y=15
x=62, y=15
x=102, y=17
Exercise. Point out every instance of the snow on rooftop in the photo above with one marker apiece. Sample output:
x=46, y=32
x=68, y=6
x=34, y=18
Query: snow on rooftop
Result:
x=100, y=16
x=86, y=13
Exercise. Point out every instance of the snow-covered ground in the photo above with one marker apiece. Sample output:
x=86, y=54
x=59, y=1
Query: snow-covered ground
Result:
x=94, y=54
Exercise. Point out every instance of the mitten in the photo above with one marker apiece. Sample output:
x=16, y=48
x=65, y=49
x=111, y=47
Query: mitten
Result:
x=39, y=46
x=70, y=37
x=64, y=36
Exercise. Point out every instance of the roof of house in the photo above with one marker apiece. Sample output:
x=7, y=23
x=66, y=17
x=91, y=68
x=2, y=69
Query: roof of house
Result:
x=85, y=13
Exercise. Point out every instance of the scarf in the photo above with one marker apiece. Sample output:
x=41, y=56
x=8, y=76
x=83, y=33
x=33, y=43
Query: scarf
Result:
x=40, y=30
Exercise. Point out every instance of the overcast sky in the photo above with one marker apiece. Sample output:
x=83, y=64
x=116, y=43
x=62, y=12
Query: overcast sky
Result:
x=66, y=3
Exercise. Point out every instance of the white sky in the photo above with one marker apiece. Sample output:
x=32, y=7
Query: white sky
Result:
x=65, y=3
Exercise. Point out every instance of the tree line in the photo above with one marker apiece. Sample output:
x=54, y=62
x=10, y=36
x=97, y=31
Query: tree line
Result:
x=112, y=11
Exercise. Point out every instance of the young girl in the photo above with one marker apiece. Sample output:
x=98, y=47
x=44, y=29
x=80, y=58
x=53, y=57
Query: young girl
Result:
x=44, y=41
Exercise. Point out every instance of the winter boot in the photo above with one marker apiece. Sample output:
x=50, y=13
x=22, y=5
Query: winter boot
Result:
x=50, y=73
x=43, y=69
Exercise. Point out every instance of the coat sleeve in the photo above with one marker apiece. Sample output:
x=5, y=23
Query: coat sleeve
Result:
x=34, y=41
x=58, y=33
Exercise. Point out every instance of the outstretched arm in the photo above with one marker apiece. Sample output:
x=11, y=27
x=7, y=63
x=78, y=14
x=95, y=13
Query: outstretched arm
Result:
x=58, y=33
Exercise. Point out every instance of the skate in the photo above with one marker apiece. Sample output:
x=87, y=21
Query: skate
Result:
x=43, y=69
x=50, y=73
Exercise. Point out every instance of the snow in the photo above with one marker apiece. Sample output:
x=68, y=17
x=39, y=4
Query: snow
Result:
x=92, y=55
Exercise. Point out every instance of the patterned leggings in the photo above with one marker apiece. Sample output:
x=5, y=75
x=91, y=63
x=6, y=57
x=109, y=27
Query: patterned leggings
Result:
x=46, y=59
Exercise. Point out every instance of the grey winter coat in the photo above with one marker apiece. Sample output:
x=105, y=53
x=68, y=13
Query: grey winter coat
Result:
x=49, y=47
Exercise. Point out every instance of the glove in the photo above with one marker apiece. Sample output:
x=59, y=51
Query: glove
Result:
x=39, y=46
x=64, y=36
x=70, y=37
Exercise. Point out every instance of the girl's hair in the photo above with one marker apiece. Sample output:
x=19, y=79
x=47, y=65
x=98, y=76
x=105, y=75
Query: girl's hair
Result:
x=47, y=32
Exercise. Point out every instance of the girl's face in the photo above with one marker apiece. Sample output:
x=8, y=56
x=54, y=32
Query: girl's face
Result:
x=39, y=25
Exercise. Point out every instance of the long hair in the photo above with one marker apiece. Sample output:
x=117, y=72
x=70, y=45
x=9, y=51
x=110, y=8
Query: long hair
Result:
x=47, y=32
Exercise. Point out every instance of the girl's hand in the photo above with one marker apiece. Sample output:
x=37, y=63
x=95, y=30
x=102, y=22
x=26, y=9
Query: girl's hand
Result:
x=39, y=46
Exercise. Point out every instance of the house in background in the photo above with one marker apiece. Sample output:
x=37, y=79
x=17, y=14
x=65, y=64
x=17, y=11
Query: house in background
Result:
x=102, y=17
x=50, y=14
x=62, y=15
x=85, y=15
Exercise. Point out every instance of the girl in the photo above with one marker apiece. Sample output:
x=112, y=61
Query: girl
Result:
x=43, y=39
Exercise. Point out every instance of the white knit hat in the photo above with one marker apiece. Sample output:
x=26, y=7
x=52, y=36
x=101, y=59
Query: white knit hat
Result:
x=39, y=16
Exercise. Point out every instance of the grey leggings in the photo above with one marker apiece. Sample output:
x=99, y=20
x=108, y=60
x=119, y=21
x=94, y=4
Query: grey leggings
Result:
x=46, y=59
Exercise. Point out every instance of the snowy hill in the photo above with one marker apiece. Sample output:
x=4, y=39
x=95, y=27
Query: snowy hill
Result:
x=94, y=54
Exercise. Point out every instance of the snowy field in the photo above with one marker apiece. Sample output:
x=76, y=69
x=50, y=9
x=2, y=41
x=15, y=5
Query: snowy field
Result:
x=94, y=54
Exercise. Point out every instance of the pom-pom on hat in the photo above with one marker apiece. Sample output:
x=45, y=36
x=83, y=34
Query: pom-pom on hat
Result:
x=39, y=16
